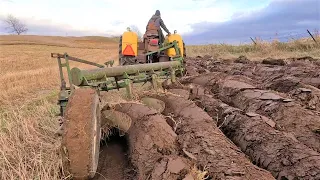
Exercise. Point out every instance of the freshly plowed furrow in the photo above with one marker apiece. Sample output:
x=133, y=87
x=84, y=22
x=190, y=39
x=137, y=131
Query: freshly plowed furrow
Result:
x=307, y=95
x=275, y=78
x=301, y=75
x=152, y=145
x=203, y=142
x=289, y=116
x=301, y=84
x=273, y=150
x=306, y=73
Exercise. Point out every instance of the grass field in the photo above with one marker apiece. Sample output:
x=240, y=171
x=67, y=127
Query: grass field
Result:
x=263, y=49
x=30, y=82
x=29, y=86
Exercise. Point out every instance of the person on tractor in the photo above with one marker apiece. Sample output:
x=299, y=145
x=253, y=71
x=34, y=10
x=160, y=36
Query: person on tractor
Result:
x=155, y=23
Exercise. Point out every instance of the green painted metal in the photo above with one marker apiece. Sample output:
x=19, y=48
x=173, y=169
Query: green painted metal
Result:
x=128, y=86
x=106, y=77
x=65, y=55
x=79, y=77
x=166, y=46
x=68, y=69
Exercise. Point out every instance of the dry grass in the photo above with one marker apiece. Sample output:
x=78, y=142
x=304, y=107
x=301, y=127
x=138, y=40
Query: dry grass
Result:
x=87, y=42
x=262, y=50
x=28, y=145
x=30, y=81
x=27, y=69
x=198, y=174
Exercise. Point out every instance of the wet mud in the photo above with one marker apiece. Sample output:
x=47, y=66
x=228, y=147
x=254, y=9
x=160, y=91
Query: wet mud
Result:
x=278, y=152
x=152, y=145
x=202, y=141
x=288, y=115
x=228, y=119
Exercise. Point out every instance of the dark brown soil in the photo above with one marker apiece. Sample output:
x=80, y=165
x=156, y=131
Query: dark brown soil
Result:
x=308, y=72
x=113, y=161
x=271, y=61
x=152, y=145
x=287, y=79
x=270, y=109
x=307, y=95
x=203, y=142
x=276, y=151
x=288, y=115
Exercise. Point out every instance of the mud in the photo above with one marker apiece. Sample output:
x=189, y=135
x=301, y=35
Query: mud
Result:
x=152, y=145
x=204, y=143
x=113, y=161
x=306, y=95
x=288, y=115
x=278, y=152
x=305, y=69
x=80, y=142
x=235, y=119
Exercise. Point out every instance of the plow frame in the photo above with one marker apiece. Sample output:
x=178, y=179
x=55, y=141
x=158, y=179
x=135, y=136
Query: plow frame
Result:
x=65, y=90
x=82, y=115
x=106, y=77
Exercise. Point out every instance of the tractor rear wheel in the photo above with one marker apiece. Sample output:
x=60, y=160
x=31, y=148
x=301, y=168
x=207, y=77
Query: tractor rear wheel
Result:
x=184, y=50
x=81, y=136
x=127, y=61
x=120, y=51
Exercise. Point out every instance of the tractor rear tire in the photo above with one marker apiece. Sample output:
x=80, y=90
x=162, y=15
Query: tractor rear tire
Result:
x=120, y=51
x=81, y=136
x=184, y=50
x=127, y=61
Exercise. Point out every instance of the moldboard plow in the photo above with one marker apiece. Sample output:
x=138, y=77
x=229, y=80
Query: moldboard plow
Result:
x=80, y=104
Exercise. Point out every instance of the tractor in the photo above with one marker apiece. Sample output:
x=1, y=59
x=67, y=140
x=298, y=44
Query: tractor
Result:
x=149, y=49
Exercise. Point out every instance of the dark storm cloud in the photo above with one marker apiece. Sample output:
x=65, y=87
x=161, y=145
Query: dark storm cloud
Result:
x=280, y=16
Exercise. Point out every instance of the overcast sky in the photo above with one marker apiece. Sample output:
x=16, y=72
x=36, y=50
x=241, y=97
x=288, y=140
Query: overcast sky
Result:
x=198, y=21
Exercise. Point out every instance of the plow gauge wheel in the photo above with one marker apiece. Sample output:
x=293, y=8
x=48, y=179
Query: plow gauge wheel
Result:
x=81, y=136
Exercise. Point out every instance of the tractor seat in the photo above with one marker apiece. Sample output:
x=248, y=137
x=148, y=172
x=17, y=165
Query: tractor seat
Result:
x=151, y=33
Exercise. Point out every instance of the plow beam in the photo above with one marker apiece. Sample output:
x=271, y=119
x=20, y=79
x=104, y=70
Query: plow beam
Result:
x=79, y=76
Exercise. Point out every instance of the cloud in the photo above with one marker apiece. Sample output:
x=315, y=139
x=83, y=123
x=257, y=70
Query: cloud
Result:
x=46, y=27
x=280, y=16
x=198, y=21
x=112, y=17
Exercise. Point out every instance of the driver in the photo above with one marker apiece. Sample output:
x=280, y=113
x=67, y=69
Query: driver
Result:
x=156, y=22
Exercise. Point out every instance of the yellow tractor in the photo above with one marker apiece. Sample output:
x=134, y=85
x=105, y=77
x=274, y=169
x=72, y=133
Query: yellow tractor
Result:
x=149, y=49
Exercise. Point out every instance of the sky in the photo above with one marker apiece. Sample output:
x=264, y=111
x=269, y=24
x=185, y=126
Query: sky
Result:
x=198, y=21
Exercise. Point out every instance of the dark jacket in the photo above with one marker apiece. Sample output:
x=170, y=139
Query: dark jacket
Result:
x=158, y=22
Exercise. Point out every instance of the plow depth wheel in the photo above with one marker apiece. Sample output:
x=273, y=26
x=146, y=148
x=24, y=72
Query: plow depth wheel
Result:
x=81, y=137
